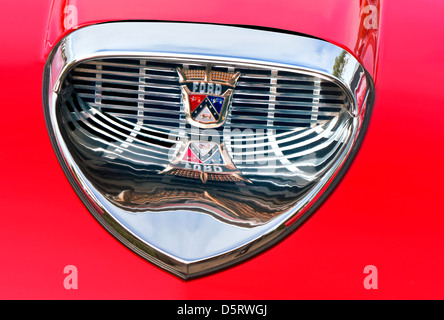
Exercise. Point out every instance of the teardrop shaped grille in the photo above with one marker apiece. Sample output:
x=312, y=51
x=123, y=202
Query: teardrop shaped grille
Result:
x=197, y=155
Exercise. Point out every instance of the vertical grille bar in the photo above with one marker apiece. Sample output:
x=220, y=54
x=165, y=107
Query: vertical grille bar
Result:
x=315, y=108
x=272, y=99
x=98, y=87
x=141, y=96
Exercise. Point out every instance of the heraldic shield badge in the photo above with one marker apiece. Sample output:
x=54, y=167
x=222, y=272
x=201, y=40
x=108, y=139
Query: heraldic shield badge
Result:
x=199, y=154
x=207, y=95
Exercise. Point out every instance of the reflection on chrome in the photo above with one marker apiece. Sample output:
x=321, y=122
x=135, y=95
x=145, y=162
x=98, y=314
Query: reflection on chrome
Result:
x=168, y=140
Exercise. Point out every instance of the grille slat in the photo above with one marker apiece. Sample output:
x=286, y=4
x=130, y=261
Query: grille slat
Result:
x=262, y=117
x=129, y=99
x=130, y=108
x=127, y=65
x=127, y=82
x=255, y=91
x=278, y=77
x=127, y=74
x=278, y=102
x=153, y=118
x=284, y=95
x=264, y=111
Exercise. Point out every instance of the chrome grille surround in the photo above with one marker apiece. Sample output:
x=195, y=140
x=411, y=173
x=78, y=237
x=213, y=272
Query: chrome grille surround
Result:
x=116, y=118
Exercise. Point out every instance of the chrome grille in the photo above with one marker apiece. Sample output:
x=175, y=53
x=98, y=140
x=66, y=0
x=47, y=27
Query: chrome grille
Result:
x=133, y=106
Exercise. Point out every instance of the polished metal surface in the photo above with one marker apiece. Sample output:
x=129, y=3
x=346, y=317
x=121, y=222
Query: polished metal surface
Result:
x=196, y=156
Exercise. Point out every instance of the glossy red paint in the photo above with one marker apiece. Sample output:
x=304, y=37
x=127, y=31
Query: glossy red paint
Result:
x=385, y=212
x=340, y=22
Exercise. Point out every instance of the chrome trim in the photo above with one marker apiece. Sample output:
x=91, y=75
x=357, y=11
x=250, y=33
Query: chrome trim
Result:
x=221, y=244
